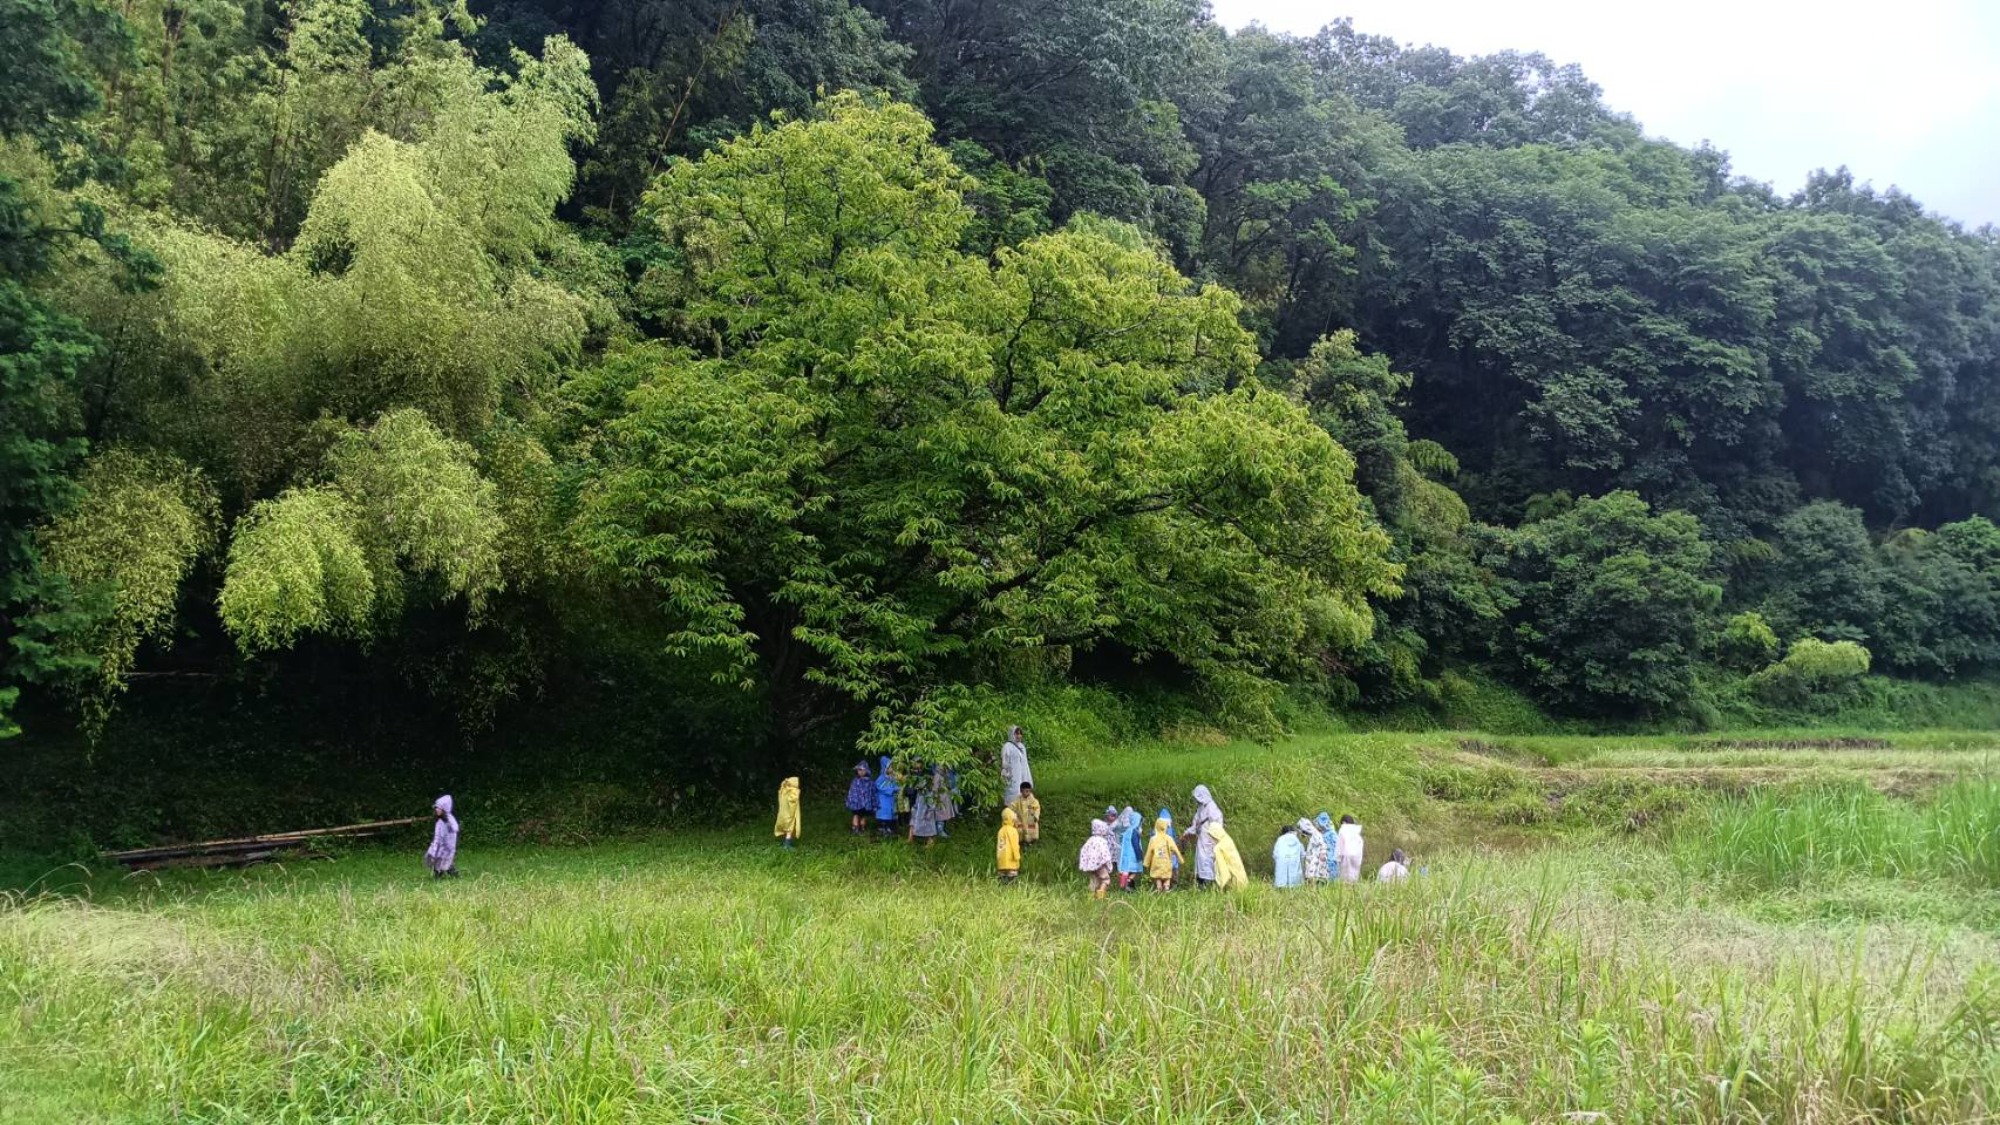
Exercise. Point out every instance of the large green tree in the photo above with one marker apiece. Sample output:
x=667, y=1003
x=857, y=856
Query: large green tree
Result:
x=1608, y=606
x=877, y=461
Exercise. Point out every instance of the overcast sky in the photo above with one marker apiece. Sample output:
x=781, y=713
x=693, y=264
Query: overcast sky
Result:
x=1904, y=93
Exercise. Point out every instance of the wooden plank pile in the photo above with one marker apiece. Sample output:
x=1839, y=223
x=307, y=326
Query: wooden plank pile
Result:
x=245, y=850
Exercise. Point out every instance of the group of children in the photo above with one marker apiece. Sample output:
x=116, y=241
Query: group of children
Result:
x=1318, y=851
x=1312, y=851
x=922, y=809
x=1115, y=848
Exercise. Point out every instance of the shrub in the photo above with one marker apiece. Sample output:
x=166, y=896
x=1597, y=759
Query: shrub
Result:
x=1747, y=642
x=1607, y=603
x=1811, y=669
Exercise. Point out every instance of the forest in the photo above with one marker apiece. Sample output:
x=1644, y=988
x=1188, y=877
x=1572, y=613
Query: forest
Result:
x=747, y=380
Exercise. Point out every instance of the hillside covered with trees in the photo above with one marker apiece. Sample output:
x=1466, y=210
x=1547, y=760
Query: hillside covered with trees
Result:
x=758, y=377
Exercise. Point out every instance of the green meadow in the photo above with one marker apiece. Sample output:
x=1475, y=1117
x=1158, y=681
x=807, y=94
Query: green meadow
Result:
x=1781, y=928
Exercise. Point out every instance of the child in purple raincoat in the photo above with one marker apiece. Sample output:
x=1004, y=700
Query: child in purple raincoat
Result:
x=860, y=799
x=443, y=854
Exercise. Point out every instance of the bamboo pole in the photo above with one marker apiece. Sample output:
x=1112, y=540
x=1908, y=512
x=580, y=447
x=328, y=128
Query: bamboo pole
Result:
x=253, y=843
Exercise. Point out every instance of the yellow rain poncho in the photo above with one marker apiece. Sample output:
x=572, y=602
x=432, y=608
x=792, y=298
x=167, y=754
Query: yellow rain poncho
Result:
x=1007, y=846
x=1161, y=851
x=1229, y=873
x=788, y=809
x=1028, y=811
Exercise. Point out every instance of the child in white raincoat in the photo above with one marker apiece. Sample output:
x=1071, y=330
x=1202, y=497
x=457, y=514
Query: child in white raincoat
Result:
x=1347, y=849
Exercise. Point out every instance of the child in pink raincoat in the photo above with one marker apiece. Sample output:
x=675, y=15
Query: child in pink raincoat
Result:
x=1097, y=858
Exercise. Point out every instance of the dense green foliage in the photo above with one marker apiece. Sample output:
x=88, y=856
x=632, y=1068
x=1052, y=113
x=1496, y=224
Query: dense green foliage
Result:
x=1606, y=604
x=821, y=365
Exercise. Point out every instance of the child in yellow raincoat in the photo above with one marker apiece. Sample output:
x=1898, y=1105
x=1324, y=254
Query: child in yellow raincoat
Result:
x=1229, y=873
x=1007, y=847
x=788, y=812
x=1162, y=855
x=1028, y=810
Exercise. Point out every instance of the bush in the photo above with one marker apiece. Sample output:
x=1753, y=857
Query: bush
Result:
x=1747, y=642
x=1812, y=668
x=1607, y=603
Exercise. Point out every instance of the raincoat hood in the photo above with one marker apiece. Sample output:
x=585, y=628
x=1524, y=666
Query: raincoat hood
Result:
x=1129, y=818
x=861, y=769
x=1007, y=817
x=789, y=785
x=1325, y=822
x=1164, y=824
x=1308, y=827
x=443, y=805
x=1100, y=828
x=1201, y=795
x=885, y=764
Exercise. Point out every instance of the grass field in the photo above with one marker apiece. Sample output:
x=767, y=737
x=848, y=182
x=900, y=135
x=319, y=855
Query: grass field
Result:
x=1611, y=930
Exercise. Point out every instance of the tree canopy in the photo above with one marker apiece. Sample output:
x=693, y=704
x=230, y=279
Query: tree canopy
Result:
x=822, y=363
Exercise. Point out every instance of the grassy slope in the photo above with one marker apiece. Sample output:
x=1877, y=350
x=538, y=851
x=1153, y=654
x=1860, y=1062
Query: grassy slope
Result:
x=712, y=977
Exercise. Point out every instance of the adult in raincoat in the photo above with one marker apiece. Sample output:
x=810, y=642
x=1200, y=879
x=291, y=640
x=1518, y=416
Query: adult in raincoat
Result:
x=1206, y=813
x=787, y=827
x=1014, y=768
x=442, y=858
x=886, y=788
x=1288, y=857
x=1317, y=868
x=1229, y=873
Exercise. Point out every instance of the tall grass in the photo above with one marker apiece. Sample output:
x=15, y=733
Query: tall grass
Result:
x=1779, y=838
x=845, y=983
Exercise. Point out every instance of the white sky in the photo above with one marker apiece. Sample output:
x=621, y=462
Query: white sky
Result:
x=1904, y=93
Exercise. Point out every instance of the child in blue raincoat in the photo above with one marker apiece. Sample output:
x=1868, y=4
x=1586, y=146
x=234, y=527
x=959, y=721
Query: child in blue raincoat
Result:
x=886, y=790
x=1131, y=850
x=1288, y=859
